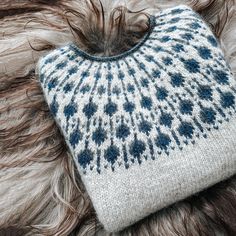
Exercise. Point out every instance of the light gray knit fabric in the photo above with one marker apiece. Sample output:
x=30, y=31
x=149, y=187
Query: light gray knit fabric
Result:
x=148, y=127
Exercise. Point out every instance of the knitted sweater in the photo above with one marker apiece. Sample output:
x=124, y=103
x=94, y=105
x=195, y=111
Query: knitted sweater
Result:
x=150, y=126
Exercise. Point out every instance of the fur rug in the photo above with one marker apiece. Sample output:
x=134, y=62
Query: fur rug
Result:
x=40, y=191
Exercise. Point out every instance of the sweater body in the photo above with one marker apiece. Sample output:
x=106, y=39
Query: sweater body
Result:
x=148, y=127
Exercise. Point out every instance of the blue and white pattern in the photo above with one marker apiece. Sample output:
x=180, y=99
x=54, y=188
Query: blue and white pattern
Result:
x=169, y=91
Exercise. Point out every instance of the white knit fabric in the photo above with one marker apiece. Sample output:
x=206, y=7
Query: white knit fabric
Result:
x=151, y=126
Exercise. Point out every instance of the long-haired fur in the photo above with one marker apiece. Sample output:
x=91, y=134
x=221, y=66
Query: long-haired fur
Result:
x=41, y=192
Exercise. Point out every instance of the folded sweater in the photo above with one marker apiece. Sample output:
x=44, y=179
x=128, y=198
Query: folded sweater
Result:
x=150, y=126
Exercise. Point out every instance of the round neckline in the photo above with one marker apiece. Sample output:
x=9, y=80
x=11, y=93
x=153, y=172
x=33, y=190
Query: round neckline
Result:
x=85, y=55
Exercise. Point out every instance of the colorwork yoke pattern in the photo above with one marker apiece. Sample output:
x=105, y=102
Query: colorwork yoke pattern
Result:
x=150, y=126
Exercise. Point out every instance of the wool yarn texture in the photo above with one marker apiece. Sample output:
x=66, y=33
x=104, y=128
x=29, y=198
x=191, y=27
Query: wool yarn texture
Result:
x=150, y=126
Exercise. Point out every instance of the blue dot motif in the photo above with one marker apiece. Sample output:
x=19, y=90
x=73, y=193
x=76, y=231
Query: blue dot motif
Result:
x=171, y=29
x=204, y=53
x=205, y=92
x=146, y=102
x=116, y=90
x=52, y=84
x=145, y=82
x=121, y=75
x=99, y=136
x=85, y=157
x=90, y=109
x=167, y=61
x=212, y=40
x=84, y=74
x=109, y=76
x=61, y=65
x=75, y=137
x=163, y=141
x=70, y=110
x=149, y=59
x=50, y=60
x=145, y=127
x=178, y=47
x=122, y=131
x=166, y=119
x=195, y=25
x=186, y=107
x=165, y=39
x=137, y=148
x=130, y=88
x=187, y=36
x=142, y=65
x=161, y=93
x=111, y=154
x=54, y=107
x=97, y=75
x=227, y=100
x=156, y=73
x=186, y=129
x=68, y=87
x=177, y=79
x=41, y=77
x=73, y=70
x=85, y=89
x=191, y=65
x=221, y=77
x=101, y=90
x=110, y=108
x=158, y=48
x=177, y=11
x=208, y=115
x=129, y=107
x=131, y=72
x=175, y=20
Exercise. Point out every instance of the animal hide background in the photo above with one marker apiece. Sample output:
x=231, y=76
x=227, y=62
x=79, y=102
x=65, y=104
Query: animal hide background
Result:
x=40, y=191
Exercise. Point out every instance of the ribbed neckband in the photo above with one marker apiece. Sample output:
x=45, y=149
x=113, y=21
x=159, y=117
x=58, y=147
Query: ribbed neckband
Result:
x=85, y=55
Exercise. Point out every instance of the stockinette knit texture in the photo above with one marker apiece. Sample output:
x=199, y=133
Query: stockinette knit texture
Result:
x=150, y=126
